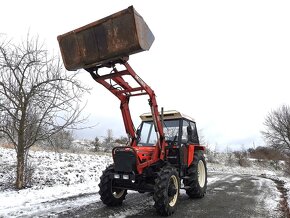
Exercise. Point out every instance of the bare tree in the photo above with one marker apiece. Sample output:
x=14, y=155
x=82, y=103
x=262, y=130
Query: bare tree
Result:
x=38, y=98
x=277, y=133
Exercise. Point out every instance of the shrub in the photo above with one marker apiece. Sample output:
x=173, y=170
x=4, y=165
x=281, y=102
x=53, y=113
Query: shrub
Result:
x=242, y=158
x=122, y=140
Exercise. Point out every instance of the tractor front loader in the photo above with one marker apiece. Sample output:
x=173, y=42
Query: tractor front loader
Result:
x=164, y=151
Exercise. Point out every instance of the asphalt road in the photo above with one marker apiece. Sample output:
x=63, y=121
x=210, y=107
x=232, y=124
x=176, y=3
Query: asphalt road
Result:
x=227, y=196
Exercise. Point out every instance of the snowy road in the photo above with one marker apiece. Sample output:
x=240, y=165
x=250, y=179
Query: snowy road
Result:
x=227, y=196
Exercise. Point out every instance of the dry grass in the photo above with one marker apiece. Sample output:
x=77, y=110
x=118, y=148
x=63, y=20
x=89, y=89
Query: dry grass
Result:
x=7, y=145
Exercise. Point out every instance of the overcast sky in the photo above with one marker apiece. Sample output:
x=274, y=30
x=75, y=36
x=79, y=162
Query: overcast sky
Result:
x=225, y=63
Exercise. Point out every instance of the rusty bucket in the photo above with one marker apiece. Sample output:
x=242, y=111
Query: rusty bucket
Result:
x=106, y=40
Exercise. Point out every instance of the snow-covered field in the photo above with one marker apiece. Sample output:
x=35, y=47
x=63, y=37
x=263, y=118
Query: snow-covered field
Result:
x=71, y=176
x=56, y=175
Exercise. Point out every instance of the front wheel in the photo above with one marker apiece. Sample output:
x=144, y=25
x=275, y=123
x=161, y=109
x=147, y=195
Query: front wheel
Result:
x=109, y=195
x=197, y=177
x=166, y=191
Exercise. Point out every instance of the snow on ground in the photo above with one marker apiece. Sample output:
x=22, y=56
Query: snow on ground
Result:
x=233, y=169
x=56, y=175
x=29, y=202
x=52, y=168
x=270, y=198
x=256, y=169
x=66, y=175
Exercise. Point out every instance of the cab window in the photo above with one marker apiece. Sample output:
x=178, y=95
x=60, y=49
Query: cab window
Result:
x=189, y=132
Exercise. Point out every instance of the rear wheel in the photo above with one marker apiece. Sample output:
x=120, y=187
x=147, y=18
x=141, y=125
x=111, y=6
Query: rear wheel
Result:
x=109, y=195
x=166, y=191
x=197, y=172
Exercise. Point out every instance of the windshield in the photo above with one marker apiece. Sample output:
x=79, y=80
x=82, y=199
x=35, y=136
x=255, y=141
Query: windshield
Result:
x=148, y=136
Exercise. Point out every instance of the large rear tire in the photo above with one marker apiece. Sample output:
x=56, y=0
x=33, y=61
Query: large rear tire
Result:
x=166, y=191
x=109, y=195
x=197, y=172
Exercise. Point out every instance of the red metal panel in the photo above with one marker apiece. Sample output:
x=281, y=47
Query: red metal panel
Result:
x=190, y=154
x=191, y=149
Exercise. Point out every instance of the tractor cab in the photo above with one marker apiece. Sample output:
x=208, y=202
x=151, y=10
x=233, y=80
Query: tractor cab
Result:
x=178, y=129
x=180, y=134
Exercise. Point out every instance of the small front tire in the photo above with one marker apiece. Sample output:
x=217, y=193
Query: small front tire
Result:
x=109, y=195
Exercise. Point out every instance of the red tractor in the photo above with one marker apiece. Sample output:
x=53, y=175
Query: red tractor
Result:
x=164, y=151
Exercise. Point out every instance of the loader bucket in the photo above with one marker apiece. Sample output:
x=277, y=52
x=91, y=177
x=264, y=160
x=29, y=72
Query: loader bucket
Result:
x=105, y=40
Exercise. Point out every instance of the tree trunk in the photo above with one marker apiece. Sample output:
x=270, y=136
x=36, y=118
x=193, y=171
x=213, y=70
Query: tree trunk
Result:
x=20, y=183
x=20, y=168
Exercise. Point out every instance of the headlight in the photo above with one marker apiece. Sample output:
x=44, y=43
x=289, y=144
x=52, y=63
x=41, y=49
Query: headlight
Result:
x=125, y=176
x=116, y=176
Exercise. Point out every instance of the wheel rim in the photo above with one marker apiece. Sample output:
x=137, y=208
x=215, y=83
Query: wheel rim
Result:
x=174, y=183
x=201, y=173
x=117, y=193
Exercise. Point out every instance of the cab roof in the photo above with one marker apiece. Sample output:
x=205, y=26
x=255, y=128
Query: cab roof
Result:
x=167, y=115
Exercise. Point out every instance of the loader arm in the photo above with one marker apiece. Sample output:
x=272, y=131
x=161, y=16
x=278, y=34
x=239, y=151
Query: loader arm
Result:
x=105, y=43
x=123, y=92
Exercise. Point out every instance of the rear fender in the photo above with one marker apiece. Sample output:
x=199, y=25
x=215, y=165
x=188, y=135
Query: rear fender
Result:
x=191, y=149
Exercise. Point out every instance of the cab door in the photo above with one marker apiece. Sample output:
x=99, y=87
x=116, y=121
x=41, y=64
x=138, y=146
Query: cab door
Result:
x=189, y=139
